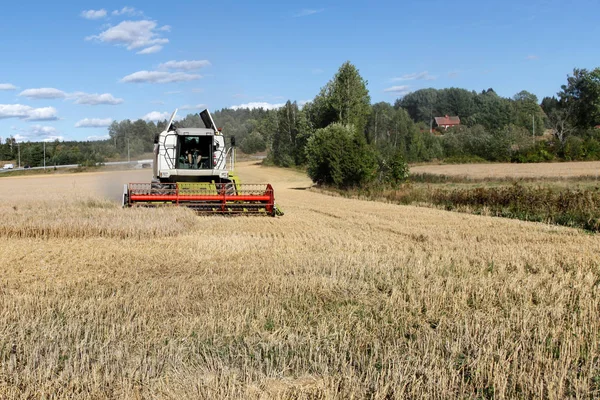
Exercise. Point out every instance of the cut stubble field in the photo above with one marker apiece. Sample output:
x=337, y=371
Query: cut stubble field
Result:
x=340, y=298
x=567, y=170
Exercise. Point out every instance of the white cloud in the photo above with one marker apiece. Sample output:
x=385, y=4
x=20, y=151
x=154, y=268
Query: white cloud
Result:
x=7, y=86
x=401, y=90
x=173, y=92
x=96, y=137
x=45, y=133
x=160, y=116
x=317, y=71
x=253, y=105
x=43, y=93
x=93, y=14
x=196, y=107
x=79, y=97
x=185, y=65
x=415, y=77
x=52, y=138
x=94, y=123
x=127, y=11
x=306, y=12
x=159, y=102
x=156, y=116
x=197, y=90
x=532, y=57
x=27, y=113
x=132, y=34
x=159, y=77
x=165, y=28
x=150, y=50
x=42, y=114
x=39, y=130
x=20, y=138
x=95, y=99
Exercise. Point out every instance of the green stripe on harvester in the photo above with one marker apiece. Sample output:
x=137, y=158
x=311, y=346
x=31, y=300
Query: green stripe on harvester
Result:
x=197, y=188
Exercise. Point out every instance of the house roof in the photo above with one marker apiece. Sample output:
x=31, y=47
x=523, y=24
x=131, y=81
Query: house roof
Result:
x=441, y=121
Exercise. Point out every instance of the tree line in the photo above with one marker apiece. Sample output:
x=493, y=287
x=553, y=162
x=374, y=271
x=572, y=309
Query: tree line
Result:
x=343, y=139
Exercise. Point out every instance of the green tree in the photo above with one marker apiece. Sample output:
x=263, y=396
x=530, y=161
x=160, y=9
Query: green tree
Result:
x=526, y=111
x=580, y=98
x=253, y=143
x=421, y=105
x=285, y=137
x=381, y=123
x=338, y=155
x=344, y=99
x=492, y=111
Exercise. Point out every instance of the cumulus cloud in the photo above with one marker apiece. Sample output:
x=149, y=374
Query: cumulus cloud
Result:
x=150, y=50
x=253, y=105
x=185, y=65
x=78, y=97
x=93, y=14
x=27, y=113
x=40, y=130
x=133, y=35
x=96, y=137
x=52, y=138
x=415, y=77
x=400, y=90
x=93, y=123
x=36, y=131
x=156, y=116
x=307, y=11
x=42, y=114
x=43, y=93
x=95, y=99
x=127, y=11
x=196, y=107
x=159, y=77
x=7, y=86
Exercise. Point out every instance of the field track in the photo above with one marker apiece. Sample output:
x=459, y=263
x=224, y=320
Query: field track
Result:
x=540, y=170
x=339, y=298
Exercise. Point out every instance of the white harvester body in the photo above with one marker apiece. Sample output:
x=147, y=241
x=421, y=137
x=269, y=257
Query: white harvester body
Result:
x=192, y=154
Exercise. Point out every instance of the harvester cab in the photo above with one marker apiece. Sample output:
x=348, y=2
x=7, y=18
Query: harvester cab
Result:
x=190, y=168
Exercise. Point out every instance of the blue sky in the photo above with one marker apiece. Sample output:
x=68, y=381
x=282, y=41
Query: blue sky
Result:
x=69, y=68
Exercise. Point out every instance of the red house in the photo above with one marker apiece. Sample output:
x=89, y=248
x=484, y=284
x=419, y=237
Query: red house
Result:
x=447, y=122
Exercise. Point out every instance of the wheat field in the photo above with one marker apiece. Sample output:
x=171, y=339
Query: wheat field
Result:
x=338, y=299
x=512, y=170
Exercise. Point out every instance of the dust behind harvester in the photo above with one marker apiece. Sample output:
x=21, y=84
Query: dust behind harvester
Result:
x=190, y=169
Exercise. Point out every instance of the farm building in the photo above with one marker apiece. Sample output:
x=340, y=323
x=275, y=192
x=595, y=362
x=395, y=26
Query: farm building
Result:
x=447, y=122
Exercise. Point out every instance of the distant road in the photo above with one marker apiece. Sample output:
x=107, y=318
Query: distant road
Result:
x=76, y=165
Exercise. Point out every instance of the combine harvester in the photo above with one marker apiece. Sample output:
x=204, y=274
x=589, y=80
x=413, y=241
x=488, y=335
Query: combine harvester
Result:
x=189, y=169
